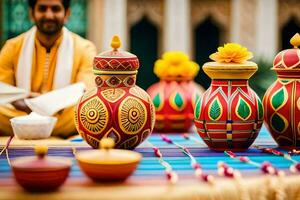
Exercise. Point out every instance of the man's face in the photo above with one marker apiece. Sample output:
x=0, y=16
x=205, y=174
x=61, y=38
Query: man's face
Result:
x=49, y=16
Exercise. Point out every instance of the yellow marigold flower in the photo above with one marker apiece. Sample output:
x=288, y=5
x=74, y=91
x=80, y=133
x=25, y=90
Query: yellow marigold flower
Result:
x=231, y=53
x=175, y=57
x=175, y=64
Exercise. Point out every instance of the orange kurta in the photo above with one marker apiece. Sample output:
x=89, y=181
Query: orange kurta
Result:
x=43, y=75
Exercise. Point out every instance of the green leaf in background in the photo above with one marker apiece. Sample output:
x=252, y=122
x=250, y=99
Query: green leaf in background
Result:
x=15, y=18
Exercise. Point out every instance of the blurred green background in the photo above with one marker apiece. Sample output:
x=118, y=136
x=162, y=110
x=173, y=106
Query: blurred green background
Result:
x=263, y=78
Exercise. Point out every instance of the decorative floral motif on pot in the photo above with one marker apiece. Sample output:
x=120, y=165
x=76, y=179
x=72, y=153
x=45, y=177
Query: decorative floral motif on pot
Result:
x=98, y=81
x=243, y=109
x=215, y=109
x=94, y=115
x=132, y=115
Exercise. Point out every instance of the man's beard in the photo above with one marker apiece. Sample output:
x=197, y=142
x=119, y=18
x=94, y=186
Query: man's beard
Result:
x=53, y=27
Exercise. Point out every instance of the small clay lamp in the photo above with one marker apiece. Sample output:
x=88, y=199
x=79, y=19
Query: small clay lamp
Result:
x=107, y=164
x=40, y=173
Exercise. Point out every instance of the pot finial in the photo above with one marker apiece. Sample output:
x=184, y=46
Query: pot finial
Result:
x=295, y=40
x=115, y=42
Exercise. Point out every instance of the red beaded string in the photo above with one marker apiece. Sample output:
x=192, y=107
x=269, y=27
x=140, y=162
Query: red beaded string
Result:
x=195, y=165
x=190, y=137
x=270, y=150
x=170, y=174
x=293, y=168
x=294, y=152
x=225, y=170
x=265, y=167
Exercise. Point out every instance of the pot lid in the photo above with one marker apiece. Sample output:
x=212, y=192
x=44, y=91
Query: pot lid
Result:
x=290, y=58
x=230, y=62
x=108, y=156
x=115, y=60
x=217, y=70
x=40, y=162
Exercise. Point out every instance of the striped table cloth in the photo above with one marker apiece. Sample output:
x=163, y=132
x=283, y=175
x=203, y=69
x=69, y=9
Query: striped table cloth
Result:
x=149, y=180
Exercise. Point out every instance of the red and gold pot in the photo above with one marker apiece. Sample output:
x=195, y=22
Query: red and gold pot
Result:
x=282, y=99
x=174, y=102
x=175, y=95
x=230, y=114
x=116, y=107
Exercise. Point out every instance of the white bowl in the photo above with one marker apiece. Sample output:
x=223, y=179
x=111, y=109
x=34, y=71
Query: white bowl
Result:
x=33, y=128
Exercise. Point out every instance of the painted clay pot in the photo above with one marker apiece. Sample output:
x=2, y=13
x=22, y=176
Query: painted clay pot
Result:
x=40, y=173
x=282, y=99
x=174, y=100
x=116, y=107
x=229, y=115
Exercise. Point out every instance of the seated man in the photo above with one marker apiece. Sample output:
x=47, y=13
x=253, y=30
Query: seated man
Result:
x=46, y=57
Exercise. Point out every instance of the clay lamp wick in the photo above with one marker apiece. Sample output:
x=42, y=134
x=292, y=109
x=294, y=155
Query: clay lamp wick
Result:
x=107, y=144
x=295, y=40
x=115, y=42
x=41, y=151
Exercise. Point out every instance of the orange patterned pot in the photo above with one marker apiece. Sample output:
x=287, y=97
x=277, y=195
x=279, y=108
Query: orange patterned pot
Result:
x=282, y=99
x=116, y=107
x=174, y=102
x=230, y=114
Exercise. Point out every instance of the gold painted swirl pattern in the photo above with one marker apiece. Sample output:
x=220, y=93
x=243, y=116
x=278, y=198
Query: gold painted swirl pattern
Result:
x=132, y=115
x=94, y=115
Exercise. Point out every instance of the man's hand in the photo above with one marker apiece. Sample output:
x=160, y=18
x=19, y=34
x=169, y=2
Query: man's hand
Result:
x=21, y=105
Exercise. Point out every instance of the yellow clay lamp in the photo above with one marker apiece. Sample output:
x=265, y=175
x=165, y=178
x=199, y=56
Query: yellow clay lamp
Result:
x=107, y=164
